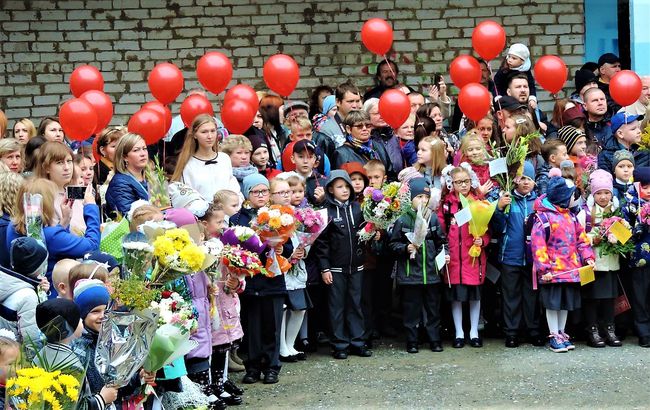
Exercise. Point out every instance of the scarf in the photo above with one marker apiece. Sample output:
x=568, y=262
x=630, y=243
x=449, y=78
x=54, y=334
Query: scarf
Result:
x=364, y=149
x=242, y=172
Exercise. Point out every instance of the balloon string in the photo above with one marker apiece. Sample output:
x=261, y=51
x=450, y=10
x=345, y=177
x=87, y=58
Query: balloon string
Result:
x=496, y=90
x=390, y=67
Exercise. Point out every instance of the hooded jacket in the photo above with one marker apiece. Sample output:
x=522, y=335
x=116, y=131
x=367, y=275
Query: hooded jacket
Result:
x=511, y=226
x=18, y=300
x=337, y=248
x=567, y=248
x=197, y=284
x=594, y=215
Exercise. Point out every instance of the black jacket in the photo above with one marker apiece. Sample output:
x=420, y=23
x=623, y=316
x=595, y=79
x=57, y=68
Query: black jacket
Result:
x=422, y=269
x=347, y=153
x=312, y=182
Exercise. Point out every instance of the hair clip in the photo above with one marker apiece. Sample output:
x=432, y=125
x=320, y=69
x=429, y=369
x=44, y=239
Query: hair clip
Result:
x=520, y=120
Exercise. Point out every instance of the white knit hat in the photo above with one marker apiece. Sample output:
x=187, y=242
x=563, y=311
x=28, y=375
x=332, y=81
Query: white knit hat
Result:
x=519, y=50
x=184, y=196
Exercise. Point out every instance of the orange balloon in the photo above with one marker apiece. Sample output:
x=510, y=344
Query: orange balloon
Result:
x=488, y=39
x=474, y=101
x=377, y=36
x=281, y=74
x=394, y=107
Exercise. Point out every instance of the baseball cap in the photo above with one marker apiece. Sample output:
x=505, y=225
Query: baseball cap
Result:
x=609, y=58
x=508, y=103
x=622, y=118
x=302, y=145
x=292, y=105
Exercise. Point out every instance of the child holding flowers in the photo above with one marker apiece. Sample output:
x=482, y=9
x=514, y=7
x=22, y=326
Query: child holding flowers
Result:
x=464, y=274
x=431, y=159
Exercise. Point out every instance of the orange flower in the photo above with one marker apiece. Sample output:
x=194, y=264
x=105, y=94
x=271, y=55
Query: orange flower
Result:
x=286, y=209
x=275, y=223
x=262, y=218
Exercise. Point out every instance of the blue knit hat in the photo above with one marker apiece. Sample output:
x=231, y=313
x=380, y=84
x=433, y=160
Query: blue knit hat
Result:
x=328, y=103
x=90, y=293
x=419, y=186
x=560, y=191
x=252, y=181
x=529, y=170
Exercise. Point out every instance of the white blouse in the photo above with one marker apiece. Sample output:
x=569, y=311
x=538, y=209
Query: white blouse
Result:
x=210, y=176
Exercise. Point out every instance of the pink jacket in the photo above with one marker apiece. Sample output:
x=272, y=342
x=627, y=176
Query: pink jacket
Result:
x=463, y=269
x=567, y=248
x=228, y=309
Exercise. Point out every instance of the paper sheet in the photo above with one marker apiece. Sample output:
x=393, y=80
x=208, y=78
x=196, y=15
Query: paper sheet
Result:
x=463, y=216
x=440, y=259
x=586, y=275
x=620, y=232
x=498, y=166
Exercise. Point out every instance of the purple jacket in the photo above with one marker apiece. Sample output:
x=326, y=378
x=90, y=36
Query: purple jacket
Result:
x=228, y=308
x=197, y=284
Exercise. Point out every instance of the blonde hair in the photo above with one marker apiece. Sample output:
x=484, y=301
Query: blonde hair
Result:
x=374, y=165
x=143, y=214
x=7, y=343
x=10, y=184
x=49, y=153
x=438, y=155
x=301, y=124
x=83, y=271
x=109, y=135
x=61, y=272
x=9, y=145
x=191, y=144
x=295, y=180
x=124, y=146
x=31, y=128
x=3, y=124
x=277, y=181
x=468, y=139
x=220, y=197
x=48, y=190
x=233, y=142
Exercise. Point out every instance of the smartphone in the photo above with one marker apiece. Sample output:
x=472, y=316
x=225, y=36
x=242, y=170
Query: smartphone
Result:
x=76, y=192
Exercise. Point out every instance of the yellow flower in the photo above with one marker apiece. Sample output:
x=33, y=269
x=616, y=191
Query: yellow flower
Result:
x=275, y=223
x=193, y=257
x=163, y=247
x=390, y=190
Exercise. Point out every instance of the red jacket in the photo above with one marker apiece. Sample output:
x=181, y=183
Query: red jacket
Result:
x=270, y=173
x=463, y=269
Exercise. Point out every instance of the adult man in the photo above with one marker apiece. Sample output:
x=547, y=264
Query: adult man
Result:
x=506, y=106
x=519, y=89
x=643, y=103
x=608, y=65
x=584, y=80
x=347, y=99
x=385, y=77
x=597, y=126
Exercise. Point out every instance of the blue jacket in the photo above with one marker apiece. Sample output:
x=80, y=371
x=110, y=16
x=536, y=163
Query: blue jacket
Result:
x=541, y=178
x=123, y=190
x=4, y=256
x=62, y=244
x=599, y=131
x=641, y=232
x=410, y=154
x=512, y=246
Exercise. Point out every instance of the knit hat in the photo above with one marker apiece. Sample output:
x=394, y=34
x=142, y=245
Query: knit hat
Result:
x=328, y=103
x=642, y=175
x=355, y=168
x=609, y=58
x=560, y=191
x=570, y=135
x=519, y=50
x=408, y=174
x=622, y=118
x=529, y=170
x=572, y=113
x=622, y=155
x=103, y=258
x=419, y=186
x=90, y=293
x=601, y=180
x=252, y=181
x=57, y=319
x=257, y=142
x=180, y=216
x=28, y=257
x=584, y=77
x=184, y=196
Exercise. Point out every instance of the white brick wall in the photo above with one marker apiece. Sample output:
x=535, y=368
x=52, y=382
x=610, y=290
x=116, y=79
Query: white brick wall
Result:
x=43, y=41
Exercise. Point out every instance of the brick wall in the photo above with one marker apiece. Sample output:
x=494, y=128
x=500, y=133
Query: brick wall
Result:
x=43, y=41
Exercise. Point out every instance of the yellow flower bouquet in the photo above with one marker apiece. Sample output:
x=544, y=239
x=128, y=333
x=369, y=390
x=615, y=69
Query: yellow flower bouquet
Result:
x=481, y=212
x=177, y=255
x=35, y=388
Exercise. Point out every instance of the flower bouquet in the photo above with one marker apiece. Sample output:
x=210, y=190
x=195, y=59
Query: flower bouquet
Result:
x=33, y=206
x=158, y=185
x=420, y=228
x=176, y=255
x=275, y=224
x=243, y=236
x=607, y=242
x=137, y=256
x=214, y=248
x=588, y=164
x=241, y=263
x=36, y=388
x=644, y=214
x=311, y=224
x=481, y=212
x=175, y=310
x=382, y=207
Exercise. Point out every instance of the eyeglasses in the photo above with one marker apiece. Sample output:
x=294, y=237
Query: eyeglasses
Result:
x=362, y=126
x=462, y=182
x=260, y=192
x=282, y=193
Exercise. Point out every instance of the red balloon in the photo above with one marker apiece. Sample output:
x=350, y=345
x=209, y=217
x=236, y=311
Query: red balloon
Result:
x=162, y=109
x=551, y=73
x=237, y=116
x=103, y=107
x=78, y=119
x=281, y=74
x=166, y=82
x=625, y=87
x=84, y=78
x=488, y=39
x=464, y=70
x=149, y=124
x=394, y=107
x=95, y=153
x=377, y=36
x=474, y=101
x=242, y=92
x=193, y=106
x=214, y=71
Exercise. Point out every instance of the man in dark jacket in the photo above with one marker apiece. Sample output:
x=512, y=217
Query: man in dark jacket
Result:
x=385, y=77
x=347, y=99
x=597, y=126
x=608, y=65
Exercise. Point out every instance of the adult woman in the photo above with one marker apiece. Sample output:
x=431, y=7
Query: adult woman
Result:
x=128, y=184
x=59, y=241
x=383, y=134
x=11, y=154
x=200, y=165
x=106, y=144
x=275, y=135
x=316, y=99
x=51, y=129
x=358, y=146
x=24, y=130
x=433, y=111
x=10, y=184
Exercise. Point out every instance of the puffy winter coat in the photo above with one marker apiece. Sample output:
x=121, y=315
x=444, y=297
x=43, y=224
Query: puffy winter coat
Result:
x=462, y=268
x=567, y=248
x=18, y=300
x=123, y=190
x=511, y=226
x=197, y=285
x=633, y=204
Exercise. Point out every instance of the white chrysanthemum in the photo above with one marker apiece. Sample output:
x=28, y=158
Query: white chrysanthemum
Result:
x=286, y=219
x=137, y=246
x=274, y=213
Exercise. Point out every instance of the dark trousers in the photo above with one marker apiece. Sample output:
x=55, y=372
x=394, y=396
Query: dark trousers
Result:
x=383, y=293
x=520, y=301
x=346, y=317
x=639, y=300
x=264, y=322
x=367, y=302
x=595, y=309
x=415, y=298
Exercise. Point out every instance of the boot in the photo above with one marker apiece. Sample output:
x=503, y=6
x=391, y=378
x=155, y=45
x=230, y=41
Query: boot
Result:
x=235, y=357
x=593, y=337
x=610, y=337
x=234, y=367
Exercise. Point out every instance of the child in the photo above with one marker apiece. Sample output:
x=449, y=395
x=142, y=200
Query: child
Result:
x=86, y=168
x=473, y=152
x=260, y=157
x=576, y=146
x=598, y=296
x=520, y=301
x=304, y=157
x=376, y=173
x=464, y=275
x=340, y=258
x=626, y=133
x=87, y=270
x=297, y=185
x=9, y=355
x=229, y=201
x=417, y=273
x=517, y=61
x=213, y=221
x=358, y=177
x=560, y=247
x=60, y=322
x=431, y=159
x=239, y=150
x=554, y=151
x=637, y=197
x=623, y=169
x=61, y=276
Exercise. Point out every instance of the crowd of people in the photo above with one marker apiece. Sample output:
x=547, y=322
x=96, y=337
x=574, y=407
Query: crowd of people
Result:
x=584, y=163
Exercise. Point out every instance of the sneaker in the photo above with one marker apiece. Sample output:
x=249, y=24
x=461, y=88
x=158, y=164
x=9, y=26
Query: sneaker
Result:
x=556, y=344
x=567, y=341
